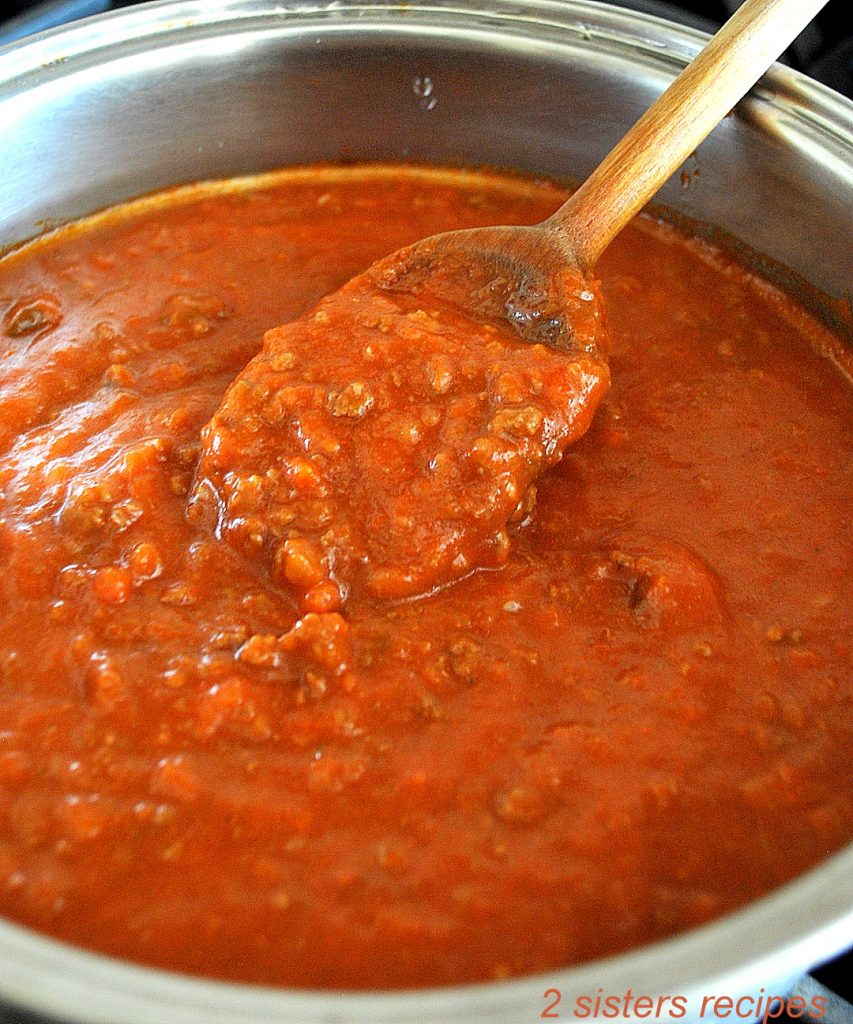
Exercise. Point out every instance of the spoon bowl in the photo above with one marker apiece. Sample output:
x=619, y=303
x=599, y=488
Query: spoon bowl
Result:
x=447, y=377
x=539, y=278
x=526, y=275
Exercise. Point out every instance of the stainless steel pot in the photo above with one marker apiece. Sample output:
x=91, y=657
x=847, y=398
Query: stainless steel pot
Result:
x=172, y=92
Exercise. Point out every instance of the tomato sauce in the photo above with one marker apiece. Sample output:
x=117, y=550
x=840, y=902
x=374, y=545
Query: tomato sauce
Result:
x=624, y=713
x=385, y=441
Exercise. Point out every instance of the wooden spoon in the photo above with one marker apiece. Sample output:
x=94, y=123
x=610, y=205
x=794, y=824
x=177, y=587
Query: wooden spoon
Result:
x=385, y=443
x=534, y=259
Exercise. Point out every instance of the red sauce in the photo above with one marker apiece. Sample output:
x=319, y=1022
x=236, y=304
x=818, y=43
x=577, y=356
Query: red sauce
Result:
x=633, y=720
x=385, y=441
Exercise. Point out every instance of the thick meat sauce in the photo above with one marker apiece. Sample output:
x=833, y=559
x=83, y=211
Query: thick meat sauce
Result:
x=386, y=441
x=266, y=758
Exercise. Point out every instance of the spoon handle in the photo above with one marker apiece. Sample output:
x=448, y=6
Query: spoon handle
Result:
x=672, y=128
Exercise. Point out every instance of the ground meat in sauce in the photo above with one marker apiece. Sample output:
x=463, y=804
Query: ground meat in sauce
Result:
x=640, y=721
x=385, y=443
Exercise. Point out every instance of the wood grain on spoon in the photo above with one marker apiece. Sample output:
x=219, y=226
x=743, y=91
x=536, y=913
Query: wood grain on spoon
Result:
x=384, y=444
x=672, y=128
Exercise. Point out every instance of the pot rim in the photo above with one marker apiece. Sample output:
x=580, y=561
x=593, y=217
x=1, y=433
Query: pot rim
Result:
x=808, y=920
x=804, y=922
x=580, y=24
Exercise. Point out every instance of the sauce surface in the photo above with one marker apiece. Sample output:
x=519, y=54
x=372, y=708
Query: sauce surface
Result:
x=637, y=719
x=384, y=442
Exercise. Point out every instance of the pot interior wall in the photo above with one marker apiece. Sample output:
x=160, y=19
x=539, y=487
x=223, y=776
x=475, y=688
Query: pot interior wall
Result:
x=146, y=109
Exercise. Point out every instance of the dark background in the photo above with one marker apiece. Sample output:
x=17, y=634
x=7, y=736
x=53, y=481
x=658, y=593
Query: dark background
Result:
x=824, y=51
